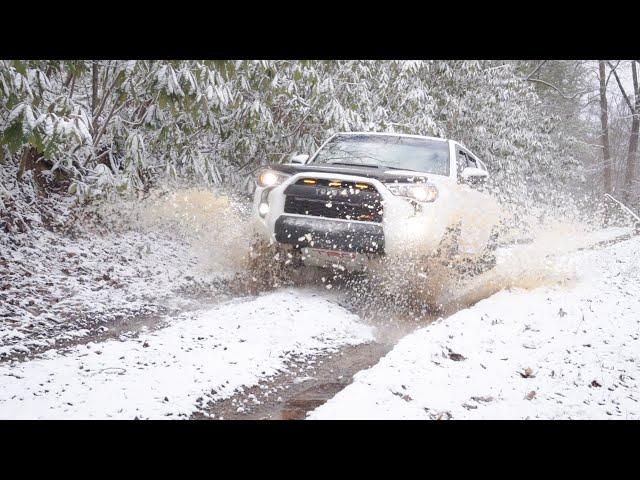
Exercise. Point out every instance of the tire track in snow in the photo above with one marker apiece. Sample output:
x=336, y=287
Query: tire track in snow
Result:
x=168, y=373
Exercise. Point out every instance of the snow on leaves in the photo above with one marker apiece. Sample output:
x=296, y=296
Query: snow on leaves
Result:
x=218, y=120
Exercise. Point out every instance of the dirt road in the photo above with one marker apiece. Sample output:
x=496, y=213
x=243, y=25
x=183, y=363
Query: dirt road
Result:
x=311, y=381
x=291, y=395
x=277, y=355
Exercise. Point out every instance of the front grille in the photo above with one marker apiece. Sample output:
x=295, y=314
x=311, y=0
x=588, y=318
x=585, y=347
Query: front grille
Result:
x=332, y=209
x=309, y=232
x=334, y=199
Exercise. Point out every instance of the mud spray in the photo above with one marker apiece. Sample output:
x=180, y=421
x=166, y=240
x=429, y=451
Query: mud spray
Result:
x=208, y=228
x=484, y=249
x=435, y=263
x=471, y=247
x=215, y=225
x=212, y=227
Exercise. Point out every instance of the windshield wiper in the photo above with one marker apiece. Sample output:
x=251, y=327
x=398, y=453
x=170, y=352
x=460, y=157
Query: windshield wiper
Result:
x=400, y=168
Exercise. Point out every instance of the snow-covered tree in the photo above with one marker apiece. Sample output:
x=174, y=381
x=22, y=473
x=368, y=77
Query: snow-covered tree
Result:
x=93, y=126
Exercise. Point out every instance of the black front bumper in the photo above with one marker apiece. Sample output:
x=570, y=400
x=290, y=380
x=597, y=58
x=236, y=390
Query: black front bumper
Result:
x=329, y=234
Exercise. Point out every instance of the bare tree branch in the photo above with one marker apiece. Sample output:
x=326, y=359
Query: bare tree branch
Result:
x=535, y=70
x=113, y=111
x=560, y=92
x=105, y=97
x=94, y=86
x=604, y=122
x=611, y=72
x=624, y=94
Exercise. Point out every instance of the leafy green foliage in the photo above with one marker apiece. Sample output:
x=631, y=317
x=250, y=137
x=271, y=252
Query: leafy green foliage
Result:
x=219, y=120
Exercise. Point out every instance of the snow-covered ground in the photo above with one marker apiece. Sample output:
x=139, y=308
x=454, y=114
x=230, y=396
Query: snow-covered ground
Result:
x=58, y=288
x=143, y=260
x=171, y=372
x=567, y=351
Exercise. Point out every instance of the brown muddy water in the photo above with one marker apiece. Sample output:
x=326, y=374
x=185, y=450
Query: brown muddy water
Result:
x=311, y=381
x=290, y=396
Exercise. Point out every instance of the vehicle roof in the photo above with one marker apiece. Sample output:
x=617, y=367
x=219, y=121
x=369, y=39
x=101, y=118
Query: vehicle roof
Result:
x=393, y=134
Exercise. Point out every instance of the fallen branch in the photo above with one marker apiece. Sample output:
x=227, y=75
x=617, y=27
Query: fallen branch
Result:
x=624, y=207
x=536, y=69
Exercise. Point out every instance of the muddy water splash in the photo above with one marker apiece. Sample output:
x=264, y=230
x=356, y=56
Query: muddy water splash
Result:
x=527, y=266
x=424, y=271
x=215, y=225
x=220, y=234
x=534, y=253
x=427, y=269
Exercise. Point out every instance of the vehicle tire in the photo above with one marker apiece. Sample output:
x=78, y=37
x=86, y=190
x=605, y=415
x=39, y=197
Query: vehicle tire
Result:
x=448, y=253
x=448, y=248
x=269, y=266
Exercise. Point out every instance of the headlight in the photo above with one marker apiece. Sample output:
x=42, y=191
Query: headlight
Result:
x=270, y=178
x=263, y=209
x=421, y=192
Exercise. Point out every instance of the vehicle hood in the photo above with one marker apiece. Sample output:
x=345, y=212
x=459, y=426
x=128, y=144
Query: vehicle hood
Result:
x=381, y=174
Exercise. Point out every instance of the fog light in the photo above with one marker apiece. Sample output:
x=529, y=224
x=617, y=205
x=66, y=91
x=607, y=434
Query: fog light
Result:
x=263, y=209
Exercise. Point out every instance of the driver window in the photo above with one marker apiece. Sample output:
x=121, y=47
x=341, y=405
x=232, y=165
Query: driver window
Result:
x=465, y=159
x=461, y=161
x=471, y=162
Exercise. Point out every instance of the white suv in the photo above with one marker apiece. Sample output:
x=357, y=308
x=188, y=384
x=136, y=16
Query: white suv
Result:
x=367, y=194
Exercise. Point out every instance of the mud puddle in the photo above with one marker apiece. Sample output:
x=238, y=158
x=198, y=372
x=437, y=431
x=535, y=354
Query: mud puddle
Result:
x=291, y=395
x=311, y=381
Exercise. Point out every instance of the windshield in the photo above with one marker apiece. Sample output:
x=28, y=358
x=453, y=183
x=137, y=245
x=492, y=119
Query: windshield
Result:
x=405, y=153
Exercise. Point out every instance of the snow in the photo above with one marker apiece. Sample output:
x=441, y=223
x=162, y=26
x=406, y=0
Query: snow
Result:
x=55, y=286
x=166, y=373
x=561, y=352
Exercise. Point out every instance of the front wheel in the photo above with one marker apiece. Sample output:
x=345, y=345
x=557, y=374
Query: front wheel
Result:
x=270, y=265
x=450, y=256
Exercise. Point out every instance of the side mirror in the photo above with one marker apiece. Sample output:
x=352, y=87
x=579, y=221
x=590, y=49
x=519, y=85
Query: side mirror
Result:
x=299, y=159
x=473, y=173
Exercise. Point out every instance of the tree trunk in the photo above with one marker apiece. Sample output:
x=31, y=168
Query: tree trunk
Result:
x=633, y=138
x=94, y=87
x=604, y=121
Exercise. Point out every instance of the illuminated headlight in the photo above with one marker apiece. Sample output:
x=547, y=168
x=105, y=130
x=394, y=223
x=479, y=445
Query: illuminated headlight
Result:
x=263, y=209
x=424, y=192
x=270, y=178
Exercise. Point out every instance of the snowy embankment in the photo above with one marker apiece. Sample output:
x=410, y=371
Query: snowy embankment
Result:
x=172, y=371
x=558, y=352
x=55, y=288
x=129, y=261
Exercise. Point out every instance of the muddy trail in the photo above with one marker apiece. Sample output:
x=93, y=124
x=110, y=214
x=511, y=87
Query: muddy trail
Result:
x=305, y=386
x=306, y=380
x=310, y=382
x=203, y=258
